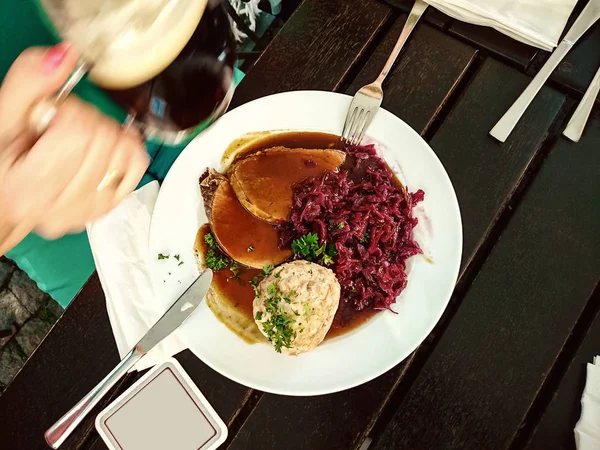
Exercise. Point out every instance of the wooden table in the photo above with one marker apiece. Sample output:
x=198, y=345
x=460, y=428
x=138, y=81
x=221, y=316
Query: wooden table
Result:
x=505, y=366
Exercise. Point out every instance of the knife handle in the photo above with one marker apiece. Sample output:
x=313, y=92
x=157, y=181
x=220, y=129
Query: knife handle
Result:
x=510, y=118
x=61, y=430
x=577, y=123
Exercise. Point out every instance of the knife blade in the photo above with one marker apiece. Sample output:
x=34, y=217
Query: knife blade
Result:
x=177, y=313
x=589, y=15
x=175, y=316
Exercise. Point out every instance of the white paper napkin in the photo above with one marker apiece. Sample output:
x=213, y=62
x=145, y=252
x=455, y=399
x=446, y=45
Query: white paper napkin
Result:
x=587, y=430
x=119, y=244
x=534, y=22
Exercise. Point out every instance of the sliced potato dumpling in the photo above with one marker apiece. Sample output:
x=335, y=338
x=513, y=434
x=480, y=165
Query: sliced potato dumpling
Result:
x=264, y=181
x=243, y=237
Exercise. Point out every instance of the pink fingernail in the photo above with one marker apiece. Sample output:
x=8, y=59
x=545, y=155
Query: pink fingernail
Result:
x=55, y=56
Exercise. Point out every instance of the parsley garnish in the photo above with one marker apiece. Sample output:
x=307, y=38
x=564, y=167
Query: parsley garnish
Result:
x=327, y=260
x=176, y=257
x=235, y=270
x=278, y=327
x=366, y=238
x=307, y=247
x=209, y=239
x=216, y=262
x=341, y=225
x=180, y=263
x=161, y=256
x=215, y=259
x=279, y=331
x=257, y=279
x=307, y=307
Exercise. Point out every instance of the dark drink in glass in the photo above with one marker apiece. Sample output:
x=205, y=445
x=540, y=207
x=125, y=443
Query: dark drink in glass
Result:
x=168, y=63
x=194, y=90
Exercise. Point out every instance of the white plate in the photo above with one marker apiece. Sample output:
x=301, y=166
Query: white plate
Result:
x=362, y=354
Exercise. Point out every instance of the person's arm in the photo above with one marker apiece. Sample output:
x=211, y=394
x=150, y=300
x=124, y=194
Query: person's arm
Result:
x=78, y=170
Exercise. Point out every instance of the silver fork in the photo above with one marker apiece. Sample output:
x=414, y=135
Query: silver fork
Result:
x=368, y=99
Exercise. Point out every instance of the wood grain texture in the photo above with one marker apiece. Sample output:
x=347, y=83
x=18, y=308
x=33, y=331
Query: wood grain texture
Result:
x=330, y=422
x=555, y=429
x=484, y=172
x=432, y=15
x=489, y=365
x=77, y=353
x=315, y=49
x=223, y=394
x=340, y=421
x=581, y=63
x=498, y=44
x=418, y=87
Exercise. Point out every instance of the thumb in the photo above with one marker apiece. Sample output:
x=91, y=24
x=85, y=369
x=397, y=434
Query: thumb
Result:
x=36, y=74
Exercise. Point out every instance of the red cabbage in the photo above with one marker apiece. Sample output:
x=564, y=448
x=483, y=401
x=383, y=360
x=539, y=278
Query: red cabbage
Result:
x=365, y=212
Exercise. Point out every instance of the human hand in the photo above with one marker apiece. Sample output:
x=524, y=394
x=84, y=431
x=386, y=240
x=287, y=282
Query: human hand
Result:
x=76, y=171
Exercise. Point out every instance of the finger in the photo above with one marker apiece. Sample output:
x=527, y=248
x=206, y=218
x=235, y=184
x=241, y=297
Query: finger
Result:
x=76, y=203
x=136, y=167
x=37, y=73
x=52, y=162
x=128, y=165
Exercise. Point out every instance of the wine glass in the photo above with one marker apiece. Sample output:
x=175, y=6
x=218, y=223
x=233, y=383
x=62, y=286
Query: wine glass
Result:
x=168, y=63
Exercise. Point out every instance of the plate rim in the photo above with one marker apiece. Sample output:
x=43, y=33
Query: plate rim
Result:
x=393, y=362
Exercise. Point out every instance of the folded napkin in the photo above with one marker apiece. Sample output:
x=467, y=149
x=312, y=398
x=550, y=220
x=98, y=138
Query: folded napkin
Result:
x=119, y=244
x=534, y=22
x=587, y=430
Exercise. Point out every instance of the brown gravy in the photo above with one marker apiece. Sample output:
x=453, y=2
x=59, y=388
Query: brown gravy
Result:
x=291, y=139
x=238, y=291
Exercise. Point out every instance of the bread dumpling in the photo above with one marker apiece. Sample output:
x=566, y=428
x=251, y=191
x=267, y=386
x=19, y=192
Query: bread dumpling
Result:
x=295, y=306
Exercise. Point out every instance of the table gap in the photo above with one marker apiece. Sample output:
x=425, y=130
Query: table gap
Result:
x=489, y=53
x=241, y=415
x=453, y=97
x=363, y=59
x=558, y=370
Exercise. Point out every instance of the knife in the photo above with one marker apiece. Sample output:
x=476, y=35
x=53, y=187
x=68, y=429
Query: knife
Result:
x=589, y=15
x=169, y=322
x=577, y=123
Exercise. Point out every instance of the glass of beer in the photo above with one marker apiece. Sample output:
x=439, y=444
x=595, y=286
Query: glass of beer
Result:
x=167, y=63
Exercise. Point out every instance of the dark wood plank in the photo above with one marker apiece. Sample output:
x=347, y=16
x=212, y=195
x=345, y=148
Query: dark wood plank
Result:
x=486, y=370
x=315, y=49
x=495, y=42
x=435, y=74
x=577, y=69
x=555, y=429
x=581, y=63
x=77, y=353
x=341, y=421
x=484, y=172
x=432, y=15
x=224, y=395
